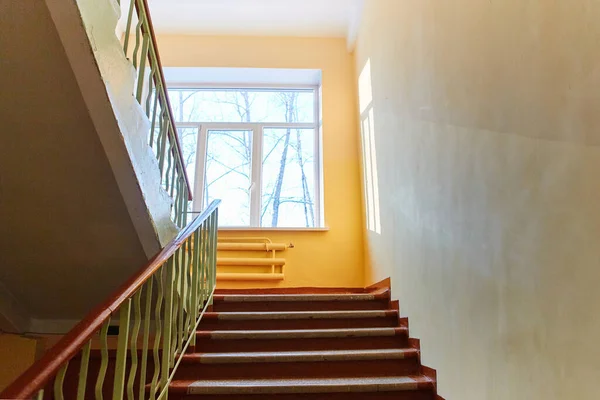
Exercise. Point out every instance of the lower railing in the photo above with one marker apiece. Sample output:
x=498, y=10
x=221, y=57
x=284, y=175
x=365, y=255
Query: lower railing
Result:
x=158, y=311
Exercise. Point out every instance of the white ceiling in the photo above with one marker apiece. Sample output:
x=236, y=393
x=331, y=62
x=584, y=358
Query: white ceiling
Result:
x=310, y=18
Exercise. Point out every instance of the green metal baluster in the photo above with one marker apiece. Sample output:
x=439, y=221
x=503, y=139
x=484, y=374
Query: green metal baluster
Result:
x=83, y=370
x=214, y=249
x=206, y=259
x=154, y=113
x=169, y=183
x=104, y=361
x=128, y=29
x=150, y=89
x=158, y=333
x=137, y=315
x=142, y=68
x=203, y=263
x=189, y=279
x=186, y=203
x=146, y=340
x=173, y=180
x=176, y=207
x=59, y=382
x=121, y=360
x=195, y=283
x=182, y=291
x=208, y=256
x=182, y=199
x=138, y=31
x=210, y=252
x=168, y=319
x=163, y=140
x=174, y=331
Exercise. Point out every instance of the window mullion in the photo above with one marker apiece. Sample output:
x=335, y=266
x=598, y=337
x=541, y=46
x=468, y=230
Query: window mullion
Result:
x=198, y=203
x=256, y=193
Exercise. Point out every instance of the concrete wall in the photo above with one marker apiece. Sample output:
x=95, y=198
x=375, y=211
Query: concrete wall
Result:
x=332, y=258
x=67, y=236
x=486, y=128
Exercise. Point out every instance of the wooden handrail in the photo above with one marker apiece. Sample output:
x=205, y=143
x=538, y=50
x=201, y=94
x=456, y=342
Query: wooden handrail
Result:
x=162, y=77
x=39, y=374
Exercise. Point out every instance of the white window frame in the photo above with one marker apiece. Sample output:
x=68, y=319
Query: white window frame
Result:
x=257, y=130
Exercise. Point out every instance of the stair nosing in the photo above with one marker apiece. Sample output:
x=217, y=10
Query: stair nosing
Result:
x=253, y=298
x=302, y=333
x=310, y=385
x=298, y=315
x=301, y=356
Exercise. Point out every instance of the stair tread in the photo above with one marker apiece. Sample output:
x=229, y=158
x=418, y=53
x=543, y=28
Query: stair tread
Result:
x=250, y=298
x=305, y=385
x=274, y=315
x=301, y=356
x=301, y=333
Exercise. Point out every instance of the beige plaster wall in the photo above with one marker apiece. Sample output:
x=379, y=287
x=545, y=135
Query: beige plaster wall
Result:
x=486, y=129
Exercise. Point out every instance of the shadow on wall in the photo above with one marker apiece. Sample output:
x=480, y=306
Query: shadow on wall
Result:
x=369, y=149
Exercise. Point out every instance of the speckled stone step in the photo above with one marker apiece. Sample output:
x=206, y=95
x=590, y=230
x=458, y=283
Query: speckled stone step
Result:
x=295, y=364
x=301, y=302
x=251, y=387
x=285, y=320
x=311, y=339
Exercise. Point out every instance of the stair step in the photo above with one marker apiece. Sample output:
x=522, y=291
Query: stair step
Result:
x=300, y=364
x=312, y=339
x=285, y=320
x=301, y=302
x=362, y=385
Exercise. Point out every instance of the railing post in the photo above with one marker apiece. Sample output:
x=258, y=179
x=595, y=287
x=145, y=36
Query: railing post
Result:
x=121, y=360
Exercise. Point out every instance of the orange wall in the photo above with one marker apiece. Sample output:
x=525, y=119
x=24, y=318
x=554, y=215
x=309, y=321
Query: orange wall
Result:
x=335, y=257
x=16, y=355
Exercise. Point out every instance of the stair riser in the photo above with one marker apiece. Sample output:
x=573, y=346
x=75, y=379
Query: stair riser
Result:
x=270, y=324
x=224, y=306
x=350, y=343
x=293, y=370
x=408, y=395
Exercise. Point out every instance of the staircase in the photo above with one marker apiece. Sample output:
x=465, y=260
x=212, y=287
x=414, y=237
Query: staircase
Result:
x=303, y=344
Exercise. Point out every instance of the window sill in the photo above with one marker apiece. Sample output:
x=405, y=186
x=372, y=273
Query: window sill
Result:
x=257, y=229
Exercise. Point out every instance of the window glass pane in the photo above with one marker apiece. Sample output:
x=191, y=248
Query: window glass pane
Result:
x=236, y=105
x=229, y=175
x=288, y=183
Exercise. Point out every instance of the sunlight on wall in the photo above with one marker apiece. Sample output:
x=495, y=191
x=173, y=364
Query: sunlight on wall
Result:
x=371, y=185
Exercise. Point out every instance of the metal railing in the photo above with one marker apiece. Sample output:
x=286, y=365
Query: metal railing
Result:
x=164, y=302
x=140, y=46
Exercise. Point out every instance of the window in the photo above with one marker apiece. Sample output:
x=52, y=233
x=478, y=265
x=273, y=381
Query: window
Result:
x=256, y=149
